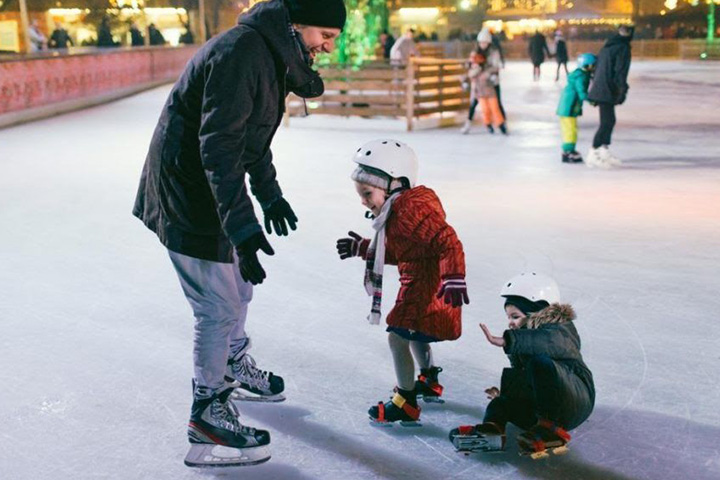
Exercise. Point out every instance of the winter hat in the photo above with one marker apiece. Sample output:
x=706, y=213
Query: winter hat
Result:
x=484, y=36
x=317, y=13
x=376, y=178
x=524, y=305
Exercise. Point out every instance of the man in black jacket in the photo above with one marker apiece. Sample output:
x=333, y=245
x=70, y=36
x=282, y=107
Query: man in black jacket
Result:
x=609, y=88
x=216, y=127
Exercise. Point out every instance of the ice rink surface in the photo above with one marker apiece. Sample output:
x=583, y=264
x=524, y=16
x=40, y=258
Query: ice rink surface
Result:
x=96, y=336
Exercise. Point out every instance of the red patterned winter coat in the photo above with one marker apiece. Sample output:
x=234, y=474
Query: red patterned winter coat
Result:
x=426, y=249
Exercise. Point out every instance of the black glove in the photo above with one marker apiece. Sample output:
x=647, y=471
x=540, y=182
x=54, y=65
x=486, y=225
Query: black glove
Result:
x=278, y=212
x=250, y=268
x=349, y=247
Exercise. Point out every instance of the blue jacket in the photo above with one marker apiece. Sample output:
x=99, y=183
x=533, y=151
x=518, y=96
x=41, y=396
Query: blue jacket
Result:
x=574, y=94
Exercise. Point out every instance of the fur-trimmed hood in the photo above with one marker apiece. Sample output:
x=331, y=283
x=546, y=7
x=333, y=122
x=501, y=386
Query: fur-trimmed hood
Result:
x=555, y=313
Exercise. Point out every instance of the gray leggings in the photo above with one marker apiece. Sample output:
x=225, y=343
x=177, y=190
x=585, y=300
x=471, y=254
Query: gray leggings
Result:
x=403, y=352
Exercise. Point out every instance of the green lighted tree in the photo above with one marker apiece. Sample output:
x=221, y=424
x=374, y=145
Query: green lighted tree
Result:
x=357, y=43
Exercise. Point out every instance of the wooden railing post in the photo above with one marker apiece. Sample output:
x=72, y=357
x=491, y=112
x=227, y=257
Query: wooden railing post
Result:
x=410, y=93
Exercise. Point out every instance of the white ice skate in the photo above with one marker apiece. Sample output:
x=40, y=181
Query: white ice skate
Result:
x=595, y=159
x=250, y=383
x=218, y=439
x=609, y=158
x=466, y=127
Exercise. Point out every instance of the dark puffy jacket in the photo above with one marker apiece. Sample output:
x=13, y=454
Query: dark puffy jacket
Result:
x=551, y=332
x=609, y=83
x=215, y=127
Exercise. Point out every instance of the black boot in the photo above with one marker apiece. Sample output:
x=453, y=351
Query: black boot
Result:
x=490, y=129
x=402, y=407
x=427, y=385
x=503, y=128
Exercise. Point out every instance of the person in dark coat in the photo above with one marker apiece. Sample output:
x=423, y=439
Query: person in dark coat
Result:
x=137, y=39
x=105, y=38
x=215, y=129
x=60, y=39
x=187, y=38
x=608, y=89
x=548, y=390
x=386, y=42
x=561, y=54
x=156, y=36
x=538, y=50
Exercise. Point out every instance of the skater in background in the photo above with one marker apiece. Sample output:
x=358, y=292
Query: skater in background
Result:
x=410, y=232
x=570, y=106
x=608, y=89
x=561, y=54
x=538, y=50
x=403, y=48
x=214, y=130
x=548, y=390
x=483, y=76
x=60, y=38
x=38, y=41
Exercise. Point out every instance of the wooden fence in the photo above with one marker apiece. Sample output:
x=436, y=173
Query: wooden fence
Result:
x=427, y=89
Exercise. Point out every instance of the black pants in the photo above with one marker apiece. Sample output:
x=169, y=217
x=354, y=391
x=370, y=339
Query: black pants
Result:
x=547, y=393
x=473, y=106
x=607, y=123
x=497, y=93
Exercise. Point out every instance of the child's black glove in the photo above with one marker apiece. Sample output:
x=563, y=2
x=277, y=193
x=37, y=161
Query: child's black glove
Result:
x=349, y=247
x=250, y=268
x=276, y=214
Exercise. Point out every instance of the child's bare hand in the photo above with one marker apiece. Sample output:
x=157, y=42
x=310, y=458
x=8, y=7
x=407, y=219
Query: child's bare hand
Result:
x=497, y=341
x=492, y=392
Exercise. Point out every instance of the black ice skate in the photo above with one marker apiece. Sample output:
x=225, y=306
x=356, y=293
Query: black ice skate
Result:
x=572, y=157
x=503, y=128
x=218, y=439
x=490, y=129
x=427, y=385
x=402, y=408
x=485, y=437
x=544, y=437
x=251, y=383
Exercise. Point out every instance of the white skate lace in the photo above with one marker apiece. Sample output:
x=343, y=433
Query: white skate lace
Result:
x=246, y=371
x=226, y=416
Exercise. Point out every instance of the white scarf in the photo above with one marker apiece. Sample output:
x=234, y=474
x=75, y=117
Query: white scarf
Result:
x=376, y=260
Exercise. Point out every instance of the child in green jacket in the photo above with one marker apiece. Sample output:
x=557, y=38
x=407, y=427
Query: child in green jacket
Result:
x=570, y=107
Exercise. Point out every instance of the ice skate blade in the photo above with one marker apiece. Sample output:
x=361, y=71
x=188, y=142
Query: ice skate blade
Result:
x=206, y=455
x=473, y=444
x=385, y=424
x=428, y=399
x=562, y=450
x=245, y=396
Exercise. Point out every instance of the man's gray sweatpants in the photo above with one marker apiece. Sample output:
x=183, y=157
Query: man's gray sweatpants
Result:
x=219, y=298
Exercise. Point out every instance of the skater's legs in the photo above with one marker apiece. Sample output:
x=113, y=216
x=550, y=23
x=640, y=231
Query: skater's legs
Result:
x=403, y=361
x=211, y=291
x=495, y=113
x=499, y=99
x=568, y=128
x=422, y=352
x=473, y=106
x=607, y=123
x=486, y=113
x=504, y=409
x=557, y=72
x=238, y=336
x=542, y=374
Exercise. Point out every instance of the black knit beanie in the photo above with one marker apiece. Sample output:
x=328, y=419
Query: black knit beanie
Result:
x=317, y=13
x=524, y=305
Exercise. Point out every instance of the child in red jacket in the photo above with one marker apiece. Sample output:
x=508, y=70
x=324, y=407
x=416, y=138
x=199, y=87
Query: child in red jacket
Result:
x=411, y=233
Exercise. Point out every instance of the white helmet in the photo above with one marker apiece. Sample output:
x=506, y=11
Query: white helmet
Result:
x=392, y=157
x=484, y=36
x=532, y=286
